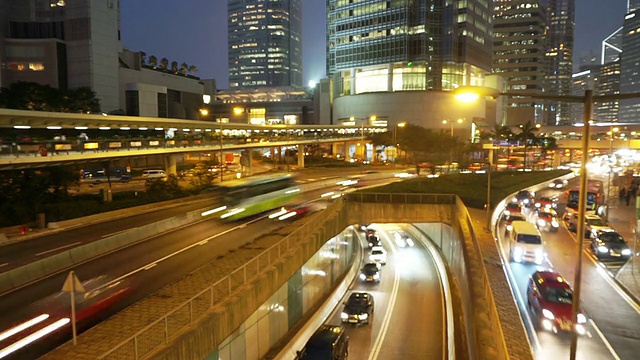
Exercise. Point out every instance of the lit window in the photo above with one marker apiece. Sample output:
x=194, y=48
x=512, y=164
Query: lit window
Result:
x=36, y=66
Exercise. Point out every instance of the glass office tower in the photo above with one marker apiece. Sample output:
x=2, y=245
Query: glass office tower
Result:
x=402, y=45
x=265, y=43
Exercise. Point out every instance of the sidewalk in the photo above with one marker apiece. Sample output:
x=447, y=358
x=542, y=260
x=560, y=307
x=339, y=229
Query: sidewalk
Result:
x=623, y=219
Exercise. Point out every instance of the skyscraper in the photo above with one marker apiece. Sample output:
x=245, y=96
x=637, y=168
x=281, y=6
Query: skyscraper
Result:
x=630, y=65
x=559, y=57
x=518, y=54
x=375, y=46
x=63, y=44
x=265, y=43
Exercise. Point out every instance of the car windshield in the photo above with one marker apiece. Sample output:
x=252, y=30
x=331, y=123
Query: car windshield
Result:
x=558, y=295
x=596, y=222
x=513, y=206
x=611, y=237
x=529, y=239
x=370, y=269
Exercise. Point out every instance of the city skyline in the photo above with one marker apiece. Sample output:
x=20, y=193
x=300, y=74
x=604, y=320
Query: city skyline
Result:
x=185, y=29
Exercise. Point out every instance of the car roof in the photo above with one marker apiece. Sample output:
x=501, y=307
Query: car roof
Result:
x=551, y=278
x=359, y=295
x=377, y=248
x=371, y=264
x=324, y=336
x=592, y=216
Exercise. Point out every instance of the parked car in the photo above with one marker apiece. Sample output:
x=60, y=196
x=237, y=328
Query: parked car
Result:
x=607, y=243
x=550, y=300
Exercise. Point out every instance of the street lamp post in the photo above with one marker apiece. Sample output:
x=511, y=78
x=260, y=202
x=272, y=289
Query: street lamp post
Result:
x=221, y=154
x=472, y=93
x=395, y=140
x=459, y=121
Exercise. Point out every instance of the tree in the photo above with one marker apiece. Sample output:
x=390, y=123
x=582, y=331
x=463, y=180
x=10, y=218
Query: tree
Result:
x=184, y=68
x=164, y=63
x=174, y=66
x=527, y=136
x=153, y=61
x=33, y=96
x=193, y=69
x=143, y=58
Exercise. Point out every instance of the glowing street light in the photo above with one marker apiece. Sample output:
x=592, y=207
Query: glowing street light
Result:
x=472, y=93
x=395, y=139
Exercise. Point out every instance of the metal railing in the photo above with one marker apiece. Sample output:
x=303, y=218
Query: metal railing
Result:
x=436, y=199
x=163, y=330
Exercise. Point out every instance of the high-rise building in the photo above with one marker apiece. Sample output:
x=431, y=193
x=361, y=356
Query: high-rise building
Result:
x=375, y=46
x=63, y=44
x=265, y=43
x=608, y=84
x=630, y=66
x=559, y=58
x=518, y=54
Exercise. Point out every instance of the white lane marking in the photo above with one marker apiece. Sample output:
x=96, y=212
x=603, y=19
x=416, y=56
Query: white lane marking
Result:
x=5, y=264
x=150, y=266
x=59, y=248
x=114, y=233
x=33, y=337
x=613, y=352
x=377, y=345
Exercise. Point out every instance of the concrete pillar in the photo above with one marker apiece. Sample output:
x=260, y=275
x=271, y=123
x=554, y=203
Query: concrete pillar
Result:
x=352, y=74
x=300, y=156
x=390, y=78
x=170, y=165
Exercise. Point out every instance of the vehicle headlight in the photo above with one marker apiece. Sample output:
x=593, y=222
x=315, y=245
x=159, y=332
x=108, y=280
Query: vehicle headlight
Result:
x=362, y=277
x=548, y=314
x=509, y=227
x=537, y=205
x=582, y=319
x=376, y=276
x=552, y=185
x=603, y=249
x=626, y=252
x=514, y=199
x=525, y=201
x=541, y=222
x=507, y=212
x=555, y=224
x=344, y=316
x=363, y=316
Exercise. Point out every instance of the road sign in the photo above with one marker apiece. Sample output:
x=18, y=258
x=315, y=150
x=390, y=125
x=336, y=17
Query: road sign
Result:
x=72, y=285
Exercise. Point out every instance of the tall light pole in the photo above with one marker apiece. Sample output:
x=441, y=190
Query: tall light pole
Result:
x=473, y=93
x=221, y=154
x=395, y=139
x=459, y=121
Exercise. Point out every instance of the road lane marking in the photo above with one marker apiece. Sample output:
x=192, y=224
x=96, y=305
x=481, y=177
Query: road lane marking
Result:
x=5, y=264
x=58, y=248
x=377, y=345
x=606, y=343
x=114, y=233
x=150, y=266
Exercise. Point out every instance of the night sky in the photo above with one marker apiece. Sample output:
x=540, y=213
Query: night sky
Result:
x=195, y=32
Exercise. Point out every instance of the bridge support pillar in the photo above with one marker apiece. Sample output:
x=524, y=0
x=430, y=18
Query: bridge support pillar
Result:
x=170, y=165
x=300, y=156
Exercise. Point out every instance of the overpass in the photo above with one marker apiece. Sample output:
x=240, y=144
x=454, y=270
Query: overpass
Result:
x=52, y=139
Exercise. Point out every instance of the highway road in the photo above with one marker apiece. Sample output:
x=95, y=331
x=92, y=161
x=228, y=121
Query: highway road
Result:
x=25, y=252
x=409, y=316
x=140, y=268
x=613, y=327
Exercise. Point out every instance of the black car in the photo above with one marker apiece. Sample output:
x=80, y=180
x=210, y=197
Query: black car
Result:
x=525, y=198
x=329, y=342
x=358, y=309
x=607, y=243
x=374, y=240
x=370, y=273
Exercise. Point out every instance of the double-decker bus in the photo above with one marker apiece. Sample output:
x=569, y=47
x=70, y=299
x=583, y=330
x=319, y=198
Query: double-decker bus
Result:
x=255, y=195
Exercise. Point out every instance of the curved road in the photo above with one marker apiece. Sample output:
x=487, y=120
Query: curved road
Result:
x=408, y=321
x=614, y=320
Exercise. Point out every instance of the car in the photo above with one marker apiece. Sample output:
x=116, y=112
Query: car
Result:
x=512, y=208
x=329, y=342
x=358, y=309
x=546, y=202
x=370, y=231
x=511, y=219
x=607, y=243
x=378, y=255
x=547, y=220
x=594, y=223
x=550, y=300
x=524, y=197
x=374, y=240
x=558, y=184
x=370, y=272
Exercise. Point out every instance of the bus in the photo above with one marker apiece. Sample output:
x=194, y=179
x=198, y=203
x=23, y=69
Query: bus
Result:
x=595, y=196
x=257, y=194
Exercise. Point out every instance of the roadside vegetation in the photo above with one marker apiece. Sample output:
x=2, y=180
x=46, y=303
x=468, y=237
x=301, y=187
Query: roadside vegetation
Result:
x=472, y=188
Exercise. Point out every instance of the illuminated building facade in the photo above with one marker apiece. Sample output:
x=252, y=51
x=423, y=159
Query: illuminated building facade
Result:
x=630, y=65
x=63, y=44
x=265, y=43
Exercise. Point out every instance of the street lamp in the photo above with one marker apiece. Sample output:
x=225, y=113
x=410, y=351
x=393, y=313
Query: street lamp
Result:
x=395, y=139
x=459, y=121
x=473, y=93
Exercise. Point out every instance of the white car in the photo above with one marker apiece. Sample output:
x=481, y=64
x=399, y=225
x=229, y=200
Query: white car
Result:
x=378, y=255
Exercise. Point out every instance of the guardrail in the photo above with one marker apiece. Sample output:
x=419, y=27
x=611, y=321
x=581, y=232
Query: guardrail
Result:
x=163, y=330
